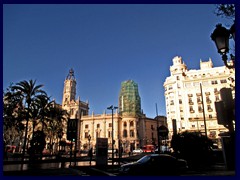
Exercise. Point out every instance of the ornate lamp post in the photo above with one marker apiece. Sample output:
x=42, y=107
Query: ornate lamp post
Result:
x=221, y=37
x=112, y=108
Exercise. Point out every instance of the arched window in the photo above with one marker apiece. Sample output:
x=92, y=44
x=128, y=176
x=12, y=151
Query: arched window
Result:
x=131, y=133
x=131, y=123
x=125, y=133
x=125, y=124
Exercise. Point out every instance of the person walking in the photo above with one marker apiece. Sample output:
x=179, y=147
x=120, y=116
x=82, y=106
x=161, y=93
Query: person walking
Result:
x=90, y=155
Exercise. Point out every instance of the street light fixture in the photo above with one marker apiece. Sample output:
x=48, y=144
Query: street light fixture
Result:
x=221, y=37
x=112, y=108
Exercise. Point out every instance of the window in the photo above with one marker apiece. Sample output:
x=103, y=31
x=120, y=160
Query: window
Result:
x=191, y=109
x=223, y=81
x=131, y=133
x=214, y=82
x=86, y=135
x=209, y=108
x=110, y=125
x=152, y=127
x=210, y=116
x=109, y=134
x=193, y=126
x=199, y=100
x=86, y=126
x=98, y=125
x=170, y=88
x=180, y=101
x=190, y=101
x=131, y=124
x=125, y=124
x=178, y=78
x=125, y=133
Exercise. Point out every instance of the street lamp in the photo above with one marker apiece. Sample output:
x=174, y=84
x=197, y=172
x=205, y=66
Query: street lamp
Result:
x=221, y=37
x=89, y=139
x=112, y=108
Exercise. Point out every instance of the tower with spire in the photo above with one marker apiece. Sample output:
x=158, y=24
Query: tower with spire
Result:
x=75, y=107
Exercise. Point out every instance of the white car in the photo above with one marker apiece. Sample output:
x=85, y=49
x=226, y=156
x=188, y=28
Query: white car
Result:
x=137, y=151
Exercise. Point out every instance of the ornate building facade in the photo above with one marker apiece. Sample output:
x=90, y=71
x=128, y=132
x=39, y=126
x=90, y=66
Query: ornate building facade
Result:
x=131, y=128
x=190, y=96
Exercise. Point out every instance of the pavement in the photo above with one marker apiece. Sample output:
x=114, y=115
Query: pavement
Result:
x=87, y=170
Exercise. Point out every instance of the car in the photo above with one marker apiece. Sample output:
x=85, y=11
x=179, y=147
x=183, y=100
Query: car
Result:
x=154, y=165
x=110, y=151
x=137, y=151
x=162, y=149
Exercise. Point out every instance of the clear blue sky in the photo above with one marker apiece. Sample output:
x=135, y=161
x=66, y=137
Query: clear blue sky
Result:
x=106, y=45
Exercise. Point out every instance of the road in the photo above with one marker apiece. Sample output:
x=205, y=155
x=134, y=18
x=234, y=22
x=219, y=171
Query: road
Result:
x=83, y=168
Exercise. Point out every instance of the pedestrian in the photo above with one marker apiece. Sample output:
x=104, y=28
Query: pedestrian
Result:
x=90, y=154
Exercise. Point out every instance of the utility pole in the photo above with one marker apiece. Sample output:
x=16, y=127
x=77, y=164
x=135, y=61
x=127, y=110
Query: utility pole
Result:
x=204, y=120
x=158, y=130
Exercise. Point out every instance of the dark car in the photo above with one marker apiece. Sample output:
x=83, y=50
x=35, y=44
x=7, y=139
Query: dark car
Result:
x=154, y=165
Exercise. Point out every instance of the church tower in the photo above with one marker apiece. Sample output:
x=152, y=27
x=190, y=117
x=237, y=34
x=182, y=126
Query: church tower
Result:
x=69, y=91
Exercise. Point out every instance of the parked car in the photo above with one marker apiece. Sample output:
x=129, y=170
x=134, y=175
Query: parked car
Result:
x=137, y=151
x=110, y=151
x=155, y=165
x=162, y=149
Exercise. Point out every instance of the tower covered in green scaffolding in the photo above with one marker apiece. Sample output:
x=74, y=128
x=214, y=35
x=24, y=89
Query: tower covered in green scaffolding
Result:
x=129, y=100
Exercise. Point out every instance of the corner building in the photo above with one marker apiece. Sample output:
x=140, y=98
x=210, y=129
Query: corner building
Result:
x=188, y=91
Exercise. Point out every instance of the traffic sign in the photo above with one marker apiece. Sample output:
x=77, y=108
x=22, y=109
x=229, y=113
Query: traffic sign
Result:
x=163, y=131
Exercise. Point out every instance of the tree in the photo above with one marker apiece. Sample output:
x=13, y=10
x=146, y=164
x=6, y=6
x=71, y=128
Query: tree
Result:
x=194, y=147
x=13, y=114
x=225, y=10
x=37, y=143
x=58, y=117
x=28, y=92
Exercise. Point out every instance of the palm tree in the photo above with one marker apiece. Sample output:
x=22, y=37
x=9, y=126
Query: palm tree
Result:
x=29, y=92
x=44, y=107
x=58, y=118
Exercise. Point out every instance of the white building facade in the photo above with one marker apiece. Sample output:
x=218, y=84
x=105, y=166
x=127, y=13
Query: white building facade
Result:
x=190, y=97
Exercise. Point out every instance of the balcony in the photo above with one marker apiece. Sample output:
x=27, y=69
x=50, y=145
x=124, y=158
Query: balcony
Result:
x=209, y=101
x=191, y=102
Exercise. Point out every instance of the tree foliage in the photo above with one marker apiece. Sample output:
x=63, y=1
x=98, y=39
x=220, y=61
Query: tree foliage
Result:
x=225, y=10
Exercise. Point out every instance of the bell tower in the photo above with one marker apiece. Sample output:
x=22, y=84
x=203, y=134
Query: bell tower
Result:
x=69, y=91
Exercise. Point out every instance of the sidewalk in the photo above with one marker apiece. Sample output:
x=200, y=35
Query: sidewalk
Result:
x=45, y=172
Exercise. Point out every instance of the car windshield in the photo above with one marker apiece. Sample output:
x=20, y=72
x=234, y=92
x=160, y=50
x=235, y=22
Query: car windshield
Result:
x=144, y=159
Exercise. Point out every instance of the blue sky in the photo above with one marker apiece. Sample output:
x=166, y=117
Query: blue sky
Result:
x=106, y=44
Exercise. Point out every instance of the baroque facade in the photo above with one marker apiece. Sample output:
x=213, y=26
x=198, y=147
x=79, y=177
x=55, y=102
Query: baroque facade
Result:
x=190, y=96
x=131, y=128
